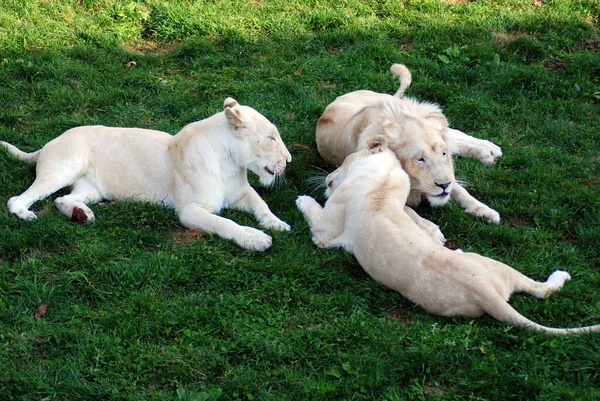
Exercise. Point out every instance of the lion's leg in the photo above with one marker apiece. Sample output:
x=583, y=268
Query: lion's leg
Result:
x=472, y=205
x=253, y=203
x=75, y=206
x=468, y=146
x=57, y=175
x=430, y=228
x=326, y=224
x=197, y=217
x=541, y=290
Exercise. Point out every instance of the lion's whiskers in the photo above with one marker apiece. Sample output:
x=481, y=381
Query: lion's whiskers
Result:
x=463, y=183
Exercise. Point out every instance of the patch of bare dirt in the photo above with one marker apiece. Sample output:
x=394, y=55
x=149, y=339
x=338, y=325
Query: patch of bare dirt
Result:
x=451, y=244
x=398, y=316
x=301, y=146
x=150, y=47
x=406, y=47
x=186, y=237
x=591, y=45
x=499, y=38
x=555, y=64
x=433, y=391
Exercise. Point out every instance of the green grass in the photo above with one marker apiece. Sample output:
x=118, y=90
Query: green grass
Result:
x=141, y=309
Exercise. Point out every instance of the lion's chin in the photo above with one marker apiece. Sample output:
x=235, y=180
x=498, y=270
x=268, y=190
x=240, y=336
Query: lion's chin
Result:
x=438, y=200
x=266, y=179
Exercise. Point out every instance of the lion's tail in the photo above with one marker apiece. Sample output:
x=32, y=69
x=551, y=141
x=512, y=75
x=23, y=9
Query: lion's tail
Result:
x=400, y=71
x=19, y=154
x=498, y=308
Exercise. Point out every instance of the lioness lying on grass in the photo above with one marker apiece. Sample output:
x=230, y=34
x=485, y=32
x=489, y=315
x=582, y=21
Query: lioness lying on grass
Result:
x=364, y=214
x=199, y=171
x=423, y=143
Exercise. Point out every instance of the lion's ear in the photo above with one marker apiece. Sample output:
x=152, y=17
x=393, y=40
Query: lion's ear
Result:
x=230, y=102
x=439, y=120
x=235, y=119
x=376, y=143
x=390, y=128
x=392, y=131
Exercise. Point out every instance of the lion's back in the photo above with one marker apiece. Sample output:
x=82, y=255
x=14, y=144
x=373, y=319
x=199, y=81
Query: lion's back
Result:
x=342, y=122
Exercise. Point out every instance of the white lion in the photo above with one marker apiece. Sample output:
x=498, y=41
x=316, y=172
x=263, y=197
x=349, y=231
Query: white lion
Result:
x=422, y=141
x=199, y=171
x=364, y=214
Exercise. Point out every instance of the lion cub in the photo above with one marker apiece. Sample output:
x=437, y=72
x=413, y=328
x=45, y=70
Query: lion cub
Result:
x=199, y=171
x=364, y=214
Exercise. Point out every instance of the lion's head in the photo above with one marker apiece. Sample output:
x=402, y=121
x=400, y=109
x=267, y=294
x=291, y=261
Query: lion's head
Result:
x=420, y=144
x=371, y=145
x=261, y=149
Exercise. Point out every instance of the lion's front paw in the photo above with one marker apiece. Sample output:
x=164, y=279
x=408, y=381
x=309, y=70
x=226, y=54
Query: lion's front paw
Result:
x=433, y=231
x=489, y=214
x=253, y=239
x=486, y=152
x=303, y=202
x=492, y=216
x=272, y=221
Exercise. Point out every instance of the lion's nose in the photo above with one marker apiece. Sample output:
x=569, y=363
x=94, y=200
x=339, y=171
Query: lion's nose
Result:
x=443, y=186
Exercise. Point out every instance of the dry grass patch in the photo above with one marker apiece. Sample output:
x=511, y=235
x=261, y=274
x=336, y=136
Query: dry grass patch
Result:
x=150, y=47
x=186, y=237
x=399, y=317
x=591, y=45
x=555, y=64
x=500, y=38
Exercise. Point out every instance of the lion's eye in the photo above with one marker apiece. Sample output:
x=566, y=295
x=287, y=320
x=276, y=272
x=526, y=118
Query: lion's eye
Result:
x=444, y=154
x=273, y=138
x=421, y=160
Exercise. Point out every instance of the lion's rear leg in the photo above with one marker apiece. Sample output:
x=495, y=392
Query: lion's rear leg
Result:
x=542, y=290
x=48, y=180
x=74, y=205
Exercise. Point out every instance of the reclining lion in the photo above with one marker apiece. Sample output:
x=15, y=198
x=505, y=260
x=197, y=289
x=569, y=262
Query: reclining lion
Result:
x=423, y=143
x=364, y=214
x=199, y=171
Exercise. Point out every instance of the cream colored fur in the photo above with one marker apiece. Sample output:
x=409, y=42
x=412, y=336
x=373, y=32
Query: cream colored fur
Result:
x=199, y=171
x=422, y=142
x=364, y=214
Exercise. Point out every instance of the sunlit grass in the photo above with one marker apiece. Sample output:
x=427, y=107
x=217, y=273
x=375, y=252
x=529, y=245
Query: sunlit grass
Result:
x=141, y=309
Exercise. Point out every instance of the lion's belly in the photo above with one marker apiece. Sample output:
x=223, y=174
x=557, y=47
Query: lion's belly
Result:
x=131, y=164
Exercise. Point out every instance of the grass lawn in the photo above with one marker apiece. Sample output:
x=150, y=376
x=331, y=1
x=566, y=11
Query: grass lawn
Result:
x=139, y=308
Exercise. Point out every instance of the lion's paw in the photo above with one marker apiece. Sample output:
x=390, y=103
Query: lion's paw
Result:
x=555, y=282
x=82, y=215
x=254, y=240
x=16, y=208
x=487, y=152
x=487, y=213
x=433, y=231
x=272, y=221
x=492, y=216
x=303, y=202
x=319, y=242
